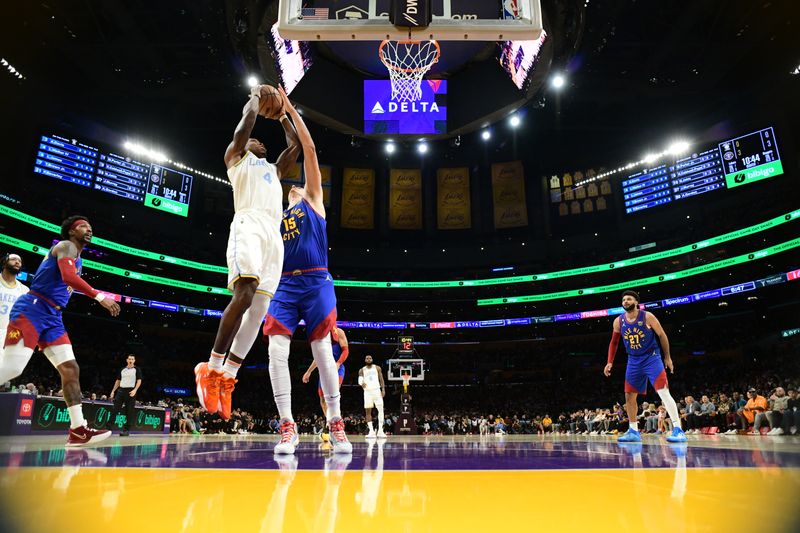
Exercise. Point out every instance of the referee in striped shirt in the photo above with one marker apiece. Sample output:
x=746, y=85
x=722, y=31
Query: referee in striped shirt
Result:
x=128, y=383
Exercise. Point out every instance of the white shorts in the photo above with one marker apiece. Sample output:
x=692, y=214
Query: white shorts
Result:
x=255, y=250
x=373, y=398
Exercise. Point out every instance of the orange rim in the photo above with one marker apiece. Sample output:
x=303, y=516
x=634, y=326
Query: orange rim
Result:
x=407, y=42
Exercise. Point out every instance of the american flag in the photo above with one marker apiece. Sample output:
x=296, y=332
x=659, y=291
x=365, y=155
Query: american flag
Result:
x=314, y=13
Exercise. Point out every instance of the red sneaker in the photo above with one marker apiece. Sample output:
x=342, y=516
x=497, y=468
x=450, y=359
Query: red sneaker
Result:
x=207, y=387
x=83, y=436
x=226, y=386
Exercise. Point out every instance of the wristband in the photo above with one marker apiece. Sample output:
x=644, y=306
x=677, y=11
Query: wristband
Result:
x=284, y=117
x=99, y=296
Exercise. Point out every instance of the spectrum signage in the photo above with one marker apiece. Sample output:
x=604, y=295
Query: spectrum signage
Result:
x=382, y=114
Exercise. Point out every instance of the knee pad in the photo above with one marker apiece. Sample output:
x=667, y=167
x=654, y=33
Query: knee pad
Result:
x=279, y=348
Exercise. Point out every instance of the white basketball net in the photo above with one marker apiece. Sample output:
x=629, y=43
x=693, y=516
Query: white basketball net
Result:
x=408, y=62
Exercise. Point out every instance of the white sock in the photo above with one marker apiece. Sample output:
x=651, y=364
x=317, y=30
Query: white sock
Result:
x=634, y=425
x=230, y=368
x=248, y=332
x=380, y=419
x=215, y=361
x=76, y=419
x=369, y=425
x=279, y=374
x=328, y=375
x=671, y=406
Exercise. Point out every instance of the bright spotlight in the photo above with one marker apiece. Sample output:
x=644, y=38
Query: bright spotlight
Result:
x=649, y=158
x=678, y=147
x=514, y=121
x=486, y=135
x=558, y=81
x=422, y=147
x=390, y=148
x=252, y=81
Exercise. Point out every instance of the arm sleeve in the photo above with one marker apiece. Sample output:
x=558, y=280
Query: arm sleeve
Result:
x=612, y=346
x=360, y=380
x=70, y=276
x=343, y=357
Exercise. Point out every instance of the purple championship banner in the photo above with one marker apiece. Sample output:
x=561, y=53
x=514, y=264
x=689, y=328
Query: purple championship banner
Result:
x=384, y=115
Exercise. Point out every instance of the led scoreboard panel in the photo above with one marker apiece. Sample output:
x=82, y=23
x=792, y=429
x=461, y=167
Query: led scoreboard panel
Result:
x=731, y=163
x=405, y=345
x=153, y=185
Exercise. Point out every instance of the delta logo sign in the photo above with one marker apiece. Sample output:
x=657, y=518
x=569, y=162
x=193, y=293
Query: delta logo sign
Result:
x=382, y=114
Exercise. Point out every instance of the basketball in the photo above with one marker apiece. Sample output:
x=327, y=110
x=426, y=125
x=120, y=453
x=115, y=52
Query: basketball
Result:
x=271, y=104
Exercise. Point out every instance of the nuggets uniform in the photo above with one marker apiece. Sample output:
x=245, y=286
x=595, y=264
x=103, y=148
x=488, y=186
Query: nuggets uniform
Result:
x=372, y=391
x=36, y=316
x=306, y=287
x=644, y=355
x=337, y=352
x=255, y=249
x=8, y=296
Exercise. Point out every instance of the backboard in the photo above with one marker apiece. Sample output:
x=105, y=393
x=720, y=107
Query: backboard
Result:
x=398, y=367
x=368, y=20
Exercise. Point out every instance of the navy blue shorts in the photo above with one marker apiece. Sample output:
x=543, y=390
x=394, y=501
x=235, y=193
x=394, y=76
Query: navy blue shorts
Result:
x=642, y=368
x=309, y=297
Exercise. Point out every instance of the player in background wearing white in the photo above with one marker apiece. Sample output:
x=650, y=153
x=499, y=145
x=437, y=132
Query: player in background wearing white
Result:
x=370, y=377
x=10, y=289
x=255, y=253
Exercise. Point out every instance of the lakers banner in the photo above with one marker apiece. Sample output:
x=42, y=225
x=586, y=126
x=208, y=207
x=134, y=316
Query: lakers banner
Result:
x=452, y=198
x=295, y=176
x=508, y=192
x=405, y=199
x=358, y=198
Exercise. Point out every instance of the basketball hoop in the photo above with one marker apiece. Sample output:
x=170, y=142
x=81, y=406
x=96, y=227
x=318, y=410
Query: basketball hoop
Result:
x=408, y=61
x=406, y=377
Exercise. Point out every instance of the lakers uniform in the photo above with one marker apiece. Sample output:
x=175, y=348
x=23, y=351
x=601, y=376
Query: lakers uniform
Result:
x=255, y=249
x=306, y=287
x=372, y=389
x=644, y=355
x=8, y=296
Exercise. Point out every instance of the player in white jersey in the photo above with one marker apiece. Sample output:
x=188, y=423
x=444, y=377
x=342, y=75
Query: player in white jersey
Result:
x=255, y=253
x=370, y=377
x=10, y=290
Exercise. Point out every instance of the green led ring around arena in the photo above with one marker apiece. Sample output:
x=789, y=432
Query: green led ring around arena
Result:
x=725, y=263
x=19, y=244
x=178, y=284
x=528, y=278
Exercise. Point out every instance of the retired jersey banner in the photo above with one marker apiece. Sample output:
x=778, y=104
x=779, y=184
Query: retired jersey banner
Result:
x=405, y=199
x=508, y=192
x=325, y=172
x=452, y=198
x=358, y=198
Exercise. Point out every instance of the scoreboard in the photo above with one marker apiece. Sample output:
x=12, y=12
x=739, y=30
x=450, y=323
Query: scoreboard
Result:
x=154, y=185
x=729, y=164
x=405, y=345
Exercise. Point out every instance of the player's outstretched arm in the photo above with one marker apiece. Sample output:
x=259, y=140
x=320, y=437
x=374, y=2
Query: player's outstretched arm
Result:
x=653, y=322
x=243, y=130
x=313, y=184
x=307, y=375
x=293, y=148
x=66, y=253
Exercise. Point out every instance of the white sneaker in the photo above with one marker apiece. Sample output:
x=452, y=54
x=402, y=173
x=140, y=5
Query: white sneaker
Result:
x=381, y=434
x=338, y=436
x=776, y=431
x=371, y=434
x=289, y=438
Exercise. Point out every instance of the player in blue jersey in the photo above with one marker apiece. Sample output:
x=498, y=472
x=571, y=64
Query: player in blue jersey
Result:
x=305, y=291
x=340, y=352
x=640, y=332
x=36, y=321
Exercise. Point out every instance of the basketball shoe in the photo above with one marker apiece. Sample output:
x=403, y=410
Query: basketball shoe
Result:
x=631, y=436
x=289, y=438
x=84, y=435
x=207, y=387
x=226, y=386
x=677, y=436
x=381, y=434
x=338, y=437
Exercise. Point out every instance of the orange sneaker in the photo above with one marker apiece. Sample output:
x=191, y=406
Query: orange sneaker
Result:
x=208, y=382
x=226, y=386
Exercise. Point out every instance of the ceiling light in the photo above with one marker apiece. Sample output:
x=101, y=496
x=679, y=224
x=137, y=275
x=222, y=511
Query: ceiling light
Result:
x=422, y=148
x=514, y=121
x=678, y=147
x=390, y=148
x=558, y=81
x=486, y=135
x=252, y=81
